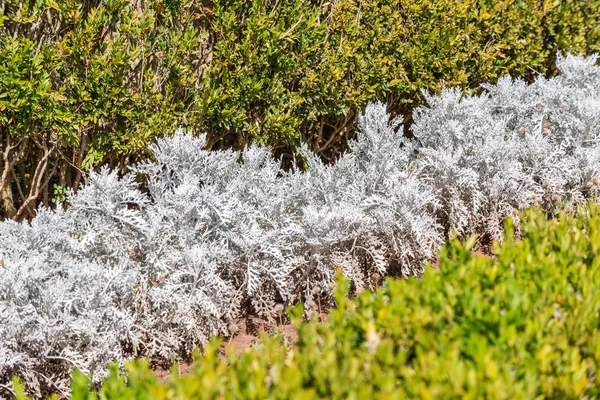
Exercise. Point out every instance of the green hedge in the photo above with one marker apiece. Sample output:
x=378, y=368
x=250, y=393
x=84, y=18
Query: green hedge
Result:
x=90, y=82
x=522, y=324
x=299, y=70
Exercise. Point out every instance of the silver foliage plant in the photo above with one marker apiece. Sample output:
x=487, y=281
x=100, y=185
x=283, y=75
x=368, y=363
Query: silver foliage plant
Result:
x=122, y=273
x=515, y=145
x=67, y=287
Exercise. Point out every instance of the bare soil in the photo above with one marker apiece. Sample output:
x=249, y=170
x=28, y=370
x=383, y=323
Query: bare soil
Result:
x=247, y=338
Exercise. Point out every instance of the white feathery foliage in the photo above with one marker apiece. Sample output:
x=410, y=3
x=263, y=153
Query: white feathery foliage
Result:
x=515, y=145
x=67, y=286
x=122, y=273
x=367, y=207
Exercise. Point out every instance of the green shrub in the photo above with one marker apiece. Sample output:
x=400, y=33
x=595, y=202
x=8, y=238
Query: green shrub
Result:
x=291, y=71
x=89, y=82
x=521, y=324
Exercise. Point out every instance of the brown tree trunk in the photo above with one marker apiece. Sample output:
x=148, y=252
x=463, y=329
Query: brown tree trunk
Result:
x=8, y=203
x=6, y=195
x=79, y=160
x=37, y=182
x=62, y=178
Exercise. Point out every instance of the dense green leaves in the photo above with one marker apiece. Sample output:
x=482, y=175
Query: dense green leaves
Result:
x=296, y=71
x=85, y=83
x=522, y=323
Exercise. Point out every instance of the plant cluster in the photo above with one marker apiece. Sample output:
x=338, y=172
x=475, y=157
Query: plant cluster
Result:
x=514, y=145
x=123, y=273
x=523, y=324
x=85, y=83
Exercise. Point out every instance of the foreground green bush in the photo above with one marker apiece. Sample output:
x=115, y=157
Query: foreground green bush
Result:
x=89, y=82
x=522, y=324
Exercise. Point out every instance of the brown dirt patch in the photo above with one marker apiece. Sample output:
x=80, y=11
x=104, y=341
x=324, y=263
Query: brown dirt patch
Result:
x=247, y=338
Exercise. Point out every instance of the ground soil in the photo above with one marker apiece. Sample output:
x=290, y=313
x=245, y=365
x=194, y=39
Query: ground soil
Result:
x=246, y=338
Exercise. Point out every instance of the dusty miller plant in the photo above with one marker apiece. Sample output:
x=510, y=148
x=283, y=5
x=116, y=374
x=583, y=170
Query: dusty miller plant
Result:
x=67, y=286
x=123, y=273
x=514, y=145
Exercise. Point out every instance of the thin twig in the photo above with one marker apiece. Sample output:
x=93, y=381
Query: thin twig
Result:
x=291, y=29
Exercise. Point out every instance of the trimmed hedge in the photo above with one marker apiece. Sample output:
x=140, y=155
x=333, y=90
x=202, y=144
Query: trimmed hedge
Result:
x=300, y=71
x=92, y=82
x=520, y=324
x=84, y=83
